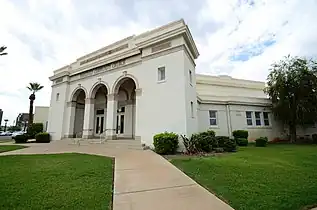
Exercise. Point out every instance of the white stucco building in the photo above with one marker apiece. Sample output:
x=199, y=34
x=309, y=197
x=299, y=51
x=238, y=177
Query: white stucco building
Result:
x=147, y=84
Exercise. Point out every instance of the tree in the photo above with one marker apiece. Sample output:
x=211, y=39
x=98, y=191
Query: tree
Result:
x=292, y=87
x=14, y=128
x=2, y=49
x=33, y=87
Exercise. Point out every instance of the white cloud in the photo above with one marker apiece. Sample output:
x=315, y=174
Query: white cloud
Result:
x=44, y=35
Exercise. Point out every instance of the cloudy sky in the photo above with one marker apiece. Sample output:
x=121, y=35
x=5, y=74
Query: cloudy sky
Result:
x=240, y=38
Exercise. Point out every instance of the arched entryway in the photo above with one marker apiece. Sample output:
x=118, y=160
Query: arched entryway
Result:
x=99, y=94
x=78, y=100
x=125, y=116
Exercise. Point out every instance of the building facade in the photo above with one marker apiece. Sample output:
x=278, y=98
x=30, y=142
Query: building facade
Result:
x=41, y=116
x=1, y=114
x=147, y=84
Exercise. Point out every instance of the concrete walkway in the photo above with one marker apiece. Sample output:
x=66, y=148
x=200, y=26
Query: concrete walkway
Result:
x=143, y=180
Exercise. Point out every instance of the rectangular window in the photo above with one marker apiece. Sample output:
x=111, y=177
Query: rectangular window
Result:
x=161, y=74
x=190, y=77
x=192, y=109
x=266, y=118
x=249, y=118
x=257, y=118
x=57, y=96
x=212, y=117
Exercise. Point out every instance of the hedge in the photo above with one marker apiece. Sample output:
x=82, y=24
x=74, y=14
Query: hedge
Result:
x=21, y=138
x=34, y=129
x=165, y=143
x=261, y=142
x=240, y=134
x=42, y=138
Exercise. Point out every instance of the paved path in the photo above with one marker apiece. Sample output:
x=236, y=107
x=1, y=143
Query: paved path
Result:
x=143, y=180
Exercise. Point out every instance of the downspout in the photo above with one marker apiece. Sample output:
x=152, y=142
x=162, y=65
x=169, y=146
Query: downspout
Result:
x=229, y=120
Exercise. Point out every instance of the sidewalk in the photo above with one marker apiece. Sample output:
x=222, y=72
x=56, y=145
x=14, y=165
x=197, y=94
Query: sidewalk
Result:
x=143, y=180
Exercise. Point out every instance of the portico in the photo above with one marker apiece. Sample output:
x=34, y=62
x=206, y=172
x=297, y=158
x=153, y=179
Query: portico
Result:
x=111, y=115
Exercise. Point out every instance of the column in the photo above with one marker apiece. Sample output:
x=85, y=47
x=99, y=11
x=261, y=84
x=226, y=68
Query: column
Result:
x=111, y=117
x=137, y=134
x=88, y=130
x=70, y=119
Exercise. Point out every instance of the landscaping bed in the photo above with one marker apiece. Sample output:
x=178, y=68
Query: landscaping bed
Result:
x=7, y=148
x=273, y=177
x=57, y=181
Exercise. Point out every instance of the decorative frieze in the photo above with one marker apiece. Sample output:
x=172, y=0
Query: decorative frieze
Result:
x=59, y=80
x=104, y=68
x=104, y=54
x=161, y=46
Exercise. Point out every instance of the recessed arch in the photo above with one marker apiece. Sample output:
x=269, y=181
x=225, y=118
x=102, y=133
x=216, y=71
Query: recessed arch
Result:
x=76, y=92
x=122, y=79
x=95, y=88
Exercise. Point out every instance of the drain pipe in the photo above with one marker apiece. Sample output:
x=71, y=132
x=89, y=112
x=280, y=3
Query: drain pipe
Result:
x=229, y=120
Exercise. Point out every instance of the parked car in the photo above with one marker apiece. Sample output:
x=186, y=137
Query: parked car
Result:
x=6, y=133
x=14, y=134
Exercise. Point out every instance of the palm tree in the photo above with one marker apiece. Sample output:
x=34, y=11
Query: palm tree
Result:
x=33, y=87
x=3, y=49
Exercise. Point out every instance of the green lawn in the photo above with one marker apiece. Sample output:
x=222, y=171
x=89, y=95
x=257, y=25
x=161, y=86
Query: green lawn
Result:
x=61, y=181
x=6, y=148
x=275, y=177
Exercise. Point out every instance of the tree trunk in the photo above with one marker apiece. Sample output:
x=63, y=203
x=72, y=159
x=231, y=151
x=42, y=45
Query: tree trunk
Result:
x=292, y=132
x=31, y=113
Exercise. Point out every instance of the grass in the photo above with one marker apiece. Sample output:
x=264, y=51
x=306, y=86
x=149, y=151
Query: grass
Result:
x=59, y=181
x=276, y=177
x=6, y=148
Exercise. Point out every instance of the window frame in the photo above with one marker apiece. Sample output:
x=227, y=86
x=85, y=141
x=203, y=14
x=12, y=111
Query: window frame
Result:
x=213, y=118
x=258, y=119
x=249, y=118
x=57, y=96
x=266, y=119
x=190, y=77
x=160, y=70
x=192, y=109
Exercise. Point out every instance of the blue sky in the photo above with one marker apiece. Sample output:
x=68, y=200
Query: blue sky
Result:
x=240, y=38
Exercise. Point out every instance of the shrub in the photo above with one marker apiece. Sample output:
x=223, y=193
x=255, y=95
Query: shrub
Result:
x=221, y=141
x=165, y=143
x=21, y=139
x=314, y=137
x=230, y=145
x=240, y=134
x=261, y=142
x=203, y=142
x=190, y=145
x=42, y=138
x=34, y=129
x=242, y=142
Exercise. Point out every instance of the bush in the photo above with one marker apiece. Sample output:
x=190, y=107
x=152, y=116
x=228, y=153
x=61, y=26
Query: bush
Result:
x=190, y=145
x=240, y=134
x=203, y=142
x=261, y=142
x=165, y=143
x=200, y=142
x=34, y=129
x=314, y=137
x=230, y=145
x=221, y=141
x=242, y=142
x=42, y=138
x=21, y=139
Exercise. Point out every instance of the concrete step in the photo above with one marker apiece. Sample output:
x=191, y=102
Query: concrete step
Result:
x=121, y=144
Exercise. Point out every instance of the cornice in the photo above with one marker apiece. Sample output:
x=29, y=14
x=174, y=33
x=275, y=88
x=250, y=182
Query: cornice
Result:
x=108, y=47
x=56, y=76
x=105, y=61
